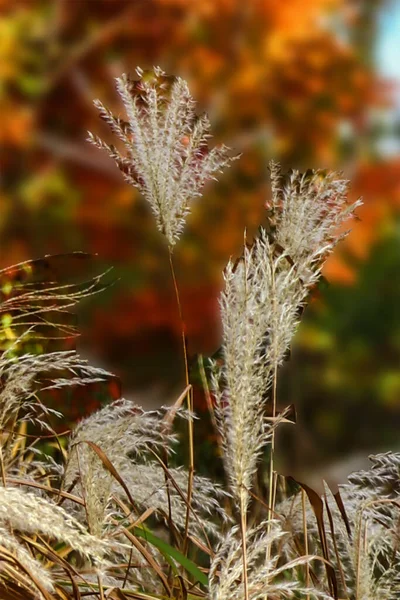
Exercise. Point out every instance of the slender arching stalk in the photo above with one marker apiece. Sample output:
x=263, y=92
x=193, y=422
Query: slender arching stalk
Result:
x=271, y=477
x=189, y=403
x=243, y=531
x=243, y=491
x=305, y=531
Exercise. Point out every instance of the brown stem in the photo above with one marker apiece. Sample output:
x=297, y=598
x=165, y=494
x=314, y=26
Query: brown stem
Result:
x=271, y=492
x=303, y=504
x=2, y=467
x=190, y=407
x=207, y=394
x=243, y=530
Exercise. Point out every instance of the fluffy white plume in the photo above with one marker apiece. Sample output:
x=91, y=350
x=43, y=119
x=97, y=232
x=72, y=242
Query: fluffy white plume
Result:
x=264, y=576
x=125, y=432
x=264, y=292
x=166, y=156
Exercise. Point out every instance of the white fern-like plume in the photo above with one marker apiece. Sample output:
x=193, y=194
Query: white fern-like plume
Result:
x=28, y=512
x=21, y=380
x=372, y=500
x=25, y=512
x=264, y=292
x=32, y=568
x=306, y=215
x=264, y=578
x=125, y=433
x=166, y=156
x=259, y=310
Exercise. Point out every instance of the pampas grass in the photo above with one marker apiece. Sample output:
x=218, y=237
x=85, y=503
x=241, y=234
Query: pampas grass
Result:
x=107, y=516
x=130, y=438
x=166, y=156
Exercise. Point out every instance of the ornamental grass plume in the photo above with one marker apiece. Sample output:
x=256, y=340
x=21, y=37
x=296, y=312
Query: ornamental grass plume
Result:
x=10, y=543
x=263, y=577
x=130, y=438
x=24, y=512
x=166, y=156
x=372, y=554
x=260, y=304
x=33, y=311
x=265, y=289
x=28, y=512
x=306, y=216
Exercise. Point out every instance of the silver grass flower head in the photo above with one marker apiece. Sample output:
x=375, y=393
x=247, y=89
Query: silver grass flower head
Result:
x=32, y=566
x=259, y=313
x=150, y=490
x=265, y=577
x=125, y=432
x=119, y=429
x=372, y=502
x=306, y=214
x=30, y=513
x=369, y=557
x=21, y=382
x=166, y=153
x=264, y=292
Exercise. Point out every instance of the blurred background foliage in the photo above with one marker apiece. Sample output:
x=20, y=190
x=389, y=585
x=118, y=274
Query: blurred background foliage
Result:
x=311, y=83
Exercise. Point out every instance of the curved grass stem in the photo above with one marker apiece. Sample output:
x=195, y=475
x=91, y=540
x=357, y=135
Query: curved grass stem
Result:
x=189, y=405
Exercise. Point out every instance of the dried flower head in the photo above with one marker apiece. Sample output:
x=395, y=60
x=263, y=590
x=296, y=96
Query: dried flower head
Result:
x=167, y=156
x=306, y=215
x=125, y=433
x=28, y=512
x=265, y=578
x=264, y=292
x=27, y=567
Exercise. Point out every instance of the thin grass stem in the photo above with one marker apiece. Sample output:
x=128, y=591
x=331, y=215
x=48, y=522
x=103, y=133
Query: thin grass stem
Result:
x=305, y=532
x=271, y=476
x=243, y=530
x=189, y=405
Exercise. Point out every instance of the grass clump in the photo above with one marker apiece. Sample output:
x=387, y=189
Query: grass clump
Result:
x=106, y=515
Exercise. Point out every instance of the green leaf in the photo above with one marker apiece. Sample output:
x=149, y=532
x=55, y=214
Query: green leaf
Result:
x=169, y=551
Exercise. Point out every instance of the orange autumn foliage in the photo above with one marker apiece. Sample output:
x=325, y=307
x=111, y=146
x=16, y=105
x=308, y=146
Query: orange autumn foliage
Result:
x=277, y=78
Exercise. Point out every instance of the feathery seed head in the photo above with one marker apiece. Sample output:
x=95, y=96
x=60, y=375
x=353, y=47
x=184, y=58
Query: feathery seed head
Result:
x=369, y=556
x=30, y=565
x=264, y=292
x=167, y=156
x=28, y=512
x=264, y=576
x=306, y=214
x=124, y=432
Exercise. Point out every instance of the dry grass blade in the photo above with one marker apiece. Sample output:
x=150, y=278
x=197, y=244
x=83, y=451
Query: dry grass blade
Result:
x=34, y=484
x=318, y=508
x=31, y=578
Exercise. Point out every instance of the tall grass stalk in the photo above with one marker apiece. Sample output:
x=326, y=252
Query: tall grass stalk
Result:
x=189, y=401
